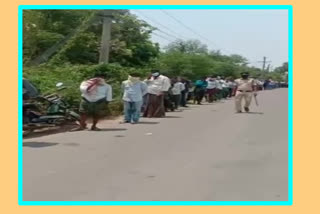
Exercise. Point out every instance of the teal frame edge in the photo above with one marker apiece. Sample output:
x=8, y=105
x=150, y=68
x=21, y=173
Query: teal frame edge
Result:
x=155, y=203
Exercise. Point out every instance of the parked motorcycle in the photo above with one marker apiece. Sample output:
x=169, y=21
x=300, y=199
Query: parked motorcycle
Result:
x=57, y=113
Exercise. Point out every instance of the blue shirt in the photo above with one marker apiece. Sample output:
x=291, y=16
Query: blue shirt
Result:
x=133, y=92
x=201, y=84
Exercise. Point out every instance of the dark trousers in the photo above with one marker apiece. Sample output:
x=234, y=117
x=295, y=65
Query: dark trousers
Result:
x=183, y=99
x=199, y=94
x=168, y=102
x=230, y=92
x=176, y=100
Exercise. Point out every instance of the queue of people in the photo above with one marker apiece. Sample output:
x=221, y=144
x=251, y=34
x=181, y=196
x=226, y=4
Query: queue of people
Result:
x=157, y=94
x=213, y=88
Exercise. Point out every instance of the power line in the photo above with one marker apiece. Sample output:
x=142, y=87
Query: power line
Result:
x=162, y=37
x=167, y=34
x=184, y=25
x=193, y=31
x=171, y=34
x=181, y=23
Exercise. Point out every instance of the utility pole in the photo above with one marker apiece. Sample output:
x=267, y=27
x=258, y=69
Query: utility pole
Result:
x=264, y=63
x=268, y=68
x=106, y=36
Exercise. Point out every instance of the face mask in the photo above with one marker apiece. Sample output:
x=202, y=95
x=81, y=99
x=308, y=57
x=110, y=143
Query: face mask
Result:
x=156, y=74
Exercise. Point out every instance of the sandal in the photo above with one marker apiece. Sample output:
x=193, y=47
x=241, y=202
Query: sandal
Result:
x=95, y=129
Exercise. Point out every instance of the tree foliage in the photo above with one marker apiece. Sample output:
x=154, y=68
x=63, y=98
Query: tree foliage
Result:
x=131, y=49
x=130, y=44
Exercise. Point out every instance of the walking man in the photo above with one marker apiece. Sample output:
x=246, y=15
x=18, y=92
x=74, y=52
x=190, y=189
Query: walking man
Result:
x=246, y=88
x=133, y=91
x=95, y=94
x=158, y=86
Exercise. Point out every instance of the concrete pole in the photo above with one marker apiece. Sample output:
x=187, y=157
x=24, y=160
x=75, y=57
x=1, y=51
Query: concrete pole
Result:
x=106, y=36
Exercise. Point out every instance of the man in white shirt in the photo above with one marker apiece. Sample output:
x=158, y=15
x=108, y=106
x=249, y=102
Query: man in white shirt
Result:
x=219, y=88
x=211, y=89
x=158, y=85
x=225, y=87
x=176, y=90
x=95, y=94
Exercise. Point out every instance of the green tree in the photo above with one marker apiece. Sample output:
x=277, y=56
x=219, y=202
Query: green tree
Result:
x=188, y=47
x=282, y=69
x=44, y=28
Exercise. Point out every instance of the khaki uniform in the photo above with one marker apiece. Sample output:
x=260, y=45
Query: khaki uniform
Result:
x=244, y=91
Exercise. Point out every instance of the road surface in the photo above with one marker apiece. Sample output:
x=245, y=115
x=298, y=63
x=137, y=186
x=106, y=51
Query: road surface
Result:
x=203, y=153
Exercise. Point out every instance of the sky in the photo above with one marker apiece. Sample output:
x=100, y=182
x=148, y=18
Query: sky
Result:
x=250, y=33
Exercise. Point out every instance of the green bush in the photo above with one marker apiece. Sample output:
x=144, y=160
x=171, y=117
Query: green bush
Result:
x=45, y=78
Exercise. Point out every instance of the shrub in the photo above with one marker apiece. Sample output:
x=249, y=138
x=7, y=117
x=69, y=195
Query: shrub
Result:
x=45, y=78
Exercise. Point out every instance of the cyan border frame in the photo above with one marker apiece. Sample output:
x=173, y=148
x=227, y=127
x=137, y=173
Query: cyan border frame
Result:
x=139, y=203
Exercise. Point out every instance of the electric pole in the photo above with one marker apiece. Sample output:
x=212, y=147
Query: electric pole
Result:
x=106, y=36
x=264, y=63
x=268, y=68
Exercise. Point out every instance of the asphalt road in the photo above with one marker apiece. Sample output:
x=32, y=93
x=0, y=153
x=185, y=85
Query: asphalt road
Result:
x=203, y=153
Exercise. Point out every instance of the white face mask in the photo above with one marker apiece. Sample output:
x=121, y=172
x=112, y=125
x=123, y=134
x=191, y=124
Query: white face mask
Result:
x=156, y=74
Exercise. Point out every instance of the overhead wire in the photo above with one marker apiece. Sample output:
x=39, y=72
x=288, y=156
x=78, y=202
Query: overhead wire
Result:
x=178, y=37
x=193, y=31
x=171, y=33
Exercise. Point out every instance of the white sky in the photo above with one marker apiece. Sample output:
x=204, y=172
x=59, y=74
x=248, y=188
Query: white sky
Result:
x=250, y=33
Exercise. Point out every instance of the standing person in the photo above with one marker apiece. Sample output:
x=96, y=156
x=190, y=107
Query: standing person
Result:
x=185, y=92
x=246, y=87
x=225, y=88
x=234, y=87
x=211, y=88
x=158, y=86
x=133, y=91
x=230, y=85
x=200, y=89
x=177, y=88
x=169, y=99
x=95, y=94
x=219, y=88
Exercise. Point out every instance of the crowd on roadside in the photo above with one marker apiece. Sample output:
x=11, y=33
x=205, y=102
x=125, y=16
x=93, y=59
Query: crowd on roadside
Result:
x=149, y=97
x=154, y=96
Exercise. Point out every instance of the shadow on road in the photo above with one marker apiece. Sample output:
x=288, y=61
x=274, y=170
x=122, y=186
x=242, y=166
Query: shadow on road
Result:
x=255, y=113
x=112, y=129
x=148, y=123
x=39, y=144
x=50, y=131
x=172, y=117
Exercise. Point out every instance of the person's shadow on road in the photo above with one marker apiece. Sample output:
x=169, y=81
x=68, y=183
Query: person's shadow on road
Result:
x=148, y=122
x=111, y=129
x=39, y=144
x=255, y=113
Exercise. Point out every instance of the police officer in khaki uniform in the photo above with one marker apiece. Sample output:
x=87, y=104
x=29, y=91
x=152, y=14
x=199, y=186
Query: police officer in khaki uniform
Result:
x=246, y=88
